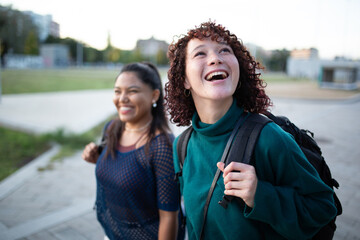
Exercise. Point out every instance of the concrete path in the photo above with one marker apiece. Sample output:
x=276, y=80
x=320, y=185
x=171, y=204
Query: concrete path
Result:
x=57, y=203
x=75, y=112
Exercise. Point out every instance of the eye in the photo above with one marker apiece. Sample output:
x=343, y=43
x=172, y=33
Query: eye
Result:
x=133, y=90
x=199, y=54
x=117, y=92
x=227, y=50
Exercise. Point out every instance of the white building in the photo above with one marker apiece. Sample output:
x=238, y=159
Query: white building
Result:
x=46, y=26
x=55, y=55
x=151, y=47
x=340, y=73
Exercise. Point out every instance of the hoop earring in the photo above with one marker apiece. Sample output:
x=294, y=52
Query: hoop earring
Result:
x=187, y=92
x=154, y=105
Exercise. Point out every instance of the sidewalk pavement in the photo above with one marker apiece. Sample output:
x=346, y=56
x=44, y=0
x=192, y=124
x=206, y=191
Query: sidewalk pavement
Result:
x=57, y=203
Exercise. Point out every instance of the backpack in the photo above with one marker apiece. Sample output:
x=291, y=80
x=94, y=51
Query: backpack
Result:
x=241, y=145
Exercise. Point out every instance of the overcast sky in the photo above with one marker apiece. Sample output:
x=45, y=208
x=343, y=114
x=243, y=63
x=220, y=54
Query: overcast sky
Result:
x=331, y=26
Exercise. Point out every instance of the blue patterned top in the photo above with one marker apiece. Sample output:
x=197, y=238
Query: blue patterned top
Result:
x=133, y=187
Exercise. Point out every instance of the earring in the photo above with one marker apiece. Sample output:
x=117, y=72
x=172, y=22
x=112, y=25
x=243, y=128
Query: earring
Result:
x=154, y=104
x=187, y=92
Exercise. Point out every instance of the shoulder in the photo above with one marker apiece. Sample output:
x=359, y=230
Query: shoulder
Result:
x=278, y=147
x=162, y=140
x=273, y=134
x=275, y=143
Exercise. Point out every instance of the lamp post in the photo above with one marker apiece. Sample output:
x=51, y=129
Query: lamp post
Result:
x=0, y=70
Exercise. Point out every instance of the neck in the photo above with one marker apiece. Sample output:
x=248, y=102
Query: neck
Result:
x=140, y=129
x=211, y=111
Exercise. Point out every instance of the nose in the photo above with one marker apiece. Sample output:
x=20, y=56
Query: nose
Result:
x=123, y=97
x=215, y=58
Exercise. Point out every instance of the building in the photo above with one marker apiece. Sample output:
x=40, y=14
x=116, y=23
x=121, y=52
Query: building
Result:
x=55, y=55
x=311, y=53
x=151, y=47
x=46, y=26
x=338, y=73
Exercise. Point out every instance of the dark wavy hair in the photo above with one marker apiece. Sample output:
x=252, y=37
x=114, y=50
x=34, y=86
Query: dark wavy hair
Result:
x=149, y=75
x=250, y=93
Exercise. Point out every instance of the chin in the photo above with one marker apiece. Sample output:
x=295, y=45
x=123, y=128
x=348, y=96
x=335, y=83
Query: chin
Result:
x=124, y=119
x=222, y=96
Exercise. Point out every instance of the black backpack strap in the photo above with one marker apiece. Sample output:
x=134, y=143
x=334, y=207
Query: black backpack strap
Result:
x=181, y=147
x=102, y=143
x=243, y=146
x=218, y=172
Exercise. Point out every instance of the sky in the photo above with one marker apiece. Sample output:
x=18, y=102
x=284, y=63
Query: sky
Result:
x=331, y=26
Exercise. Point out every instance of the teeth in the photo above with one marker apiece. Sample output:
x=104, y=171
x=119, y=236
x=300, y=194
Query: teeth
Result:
x=213, y=74
x=125, y=108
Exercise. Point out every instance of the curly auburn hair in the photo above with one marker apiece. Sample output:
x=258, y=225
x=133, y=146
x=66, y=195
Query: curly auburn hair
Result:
x=249, y=93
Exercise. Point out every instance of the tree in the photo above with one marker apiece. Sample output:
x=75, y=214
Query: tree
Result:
x=15, y=28
x=92, y=55
x=31, y=44
x=161, y=58
x=277, y=60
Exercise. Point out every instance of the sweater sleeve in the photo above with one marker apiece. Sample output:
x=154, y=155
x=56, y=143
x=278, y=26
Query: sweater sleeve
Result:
x=290, y=195
x=167, y=189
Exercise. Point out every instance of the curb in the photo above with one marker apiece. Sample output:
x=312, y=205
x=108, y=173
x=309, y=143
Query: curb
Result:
x=16, y=180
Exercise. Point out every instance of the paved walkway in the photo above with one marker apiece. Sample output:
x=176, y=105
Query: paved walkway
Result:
x=57, y=203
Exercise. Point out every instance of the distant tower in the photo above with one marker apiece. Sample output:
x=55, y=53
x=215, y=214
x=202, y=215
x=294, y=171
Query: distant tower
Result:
x=109, y=41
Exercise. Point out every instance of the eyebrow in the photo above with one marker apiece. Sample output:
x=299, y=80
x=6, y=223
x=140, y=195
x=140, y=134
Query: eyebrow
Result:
x=203, y=45
x=200, y=46
x=134, y=86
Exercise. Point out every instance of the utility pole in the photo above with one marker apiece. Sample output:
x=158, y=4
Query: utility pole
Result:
x=79, y=54
x=0, y=69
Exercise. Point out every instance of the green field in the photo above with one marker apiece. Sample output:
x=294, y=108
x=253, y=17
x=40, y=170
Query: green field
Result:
x=30, y=81
x=52, y=80
x=17, y=149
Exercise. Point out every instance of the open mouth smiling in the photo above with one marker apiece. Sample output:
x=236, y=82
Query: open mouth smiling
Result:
x=217, y=75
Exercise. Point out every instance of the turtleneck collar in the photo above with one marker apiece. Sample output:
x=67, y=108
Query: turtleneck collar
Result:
x=223, y=125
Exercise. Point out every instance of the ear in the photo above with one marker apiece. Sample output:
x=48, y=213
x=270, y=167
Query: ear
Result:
x=155, y=95
x=187, y=84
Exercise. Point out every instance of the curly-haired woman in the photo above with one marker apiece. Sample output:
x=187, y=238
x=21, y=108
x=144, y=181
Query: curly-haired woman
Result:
x=213, y=80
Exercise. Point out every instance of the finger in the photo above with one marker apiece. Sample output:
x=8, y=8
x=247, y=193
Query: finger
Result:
x=241, y=185
x=238, y=167
x=246, y=196
x=221, y=166
x=233, y=192
x=233, y=176
x=91, y=146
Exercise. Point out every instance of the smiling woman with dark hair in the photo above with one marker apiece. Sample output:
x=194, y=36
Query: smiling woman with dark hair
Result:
x=137, y=197
x=213, y=82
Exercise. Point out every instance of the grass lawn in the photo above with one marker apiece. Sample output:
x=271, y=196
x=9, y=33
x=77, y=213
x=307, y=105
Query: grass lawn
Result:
x=17, y=149
x=44, y=80
x=51, y=80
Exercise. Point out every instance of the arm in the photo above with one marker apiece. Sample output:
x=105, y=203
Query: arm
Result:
x=90, y=153
x=286, y=191
x=168, y=225
x=168, y=191
x=290, y=195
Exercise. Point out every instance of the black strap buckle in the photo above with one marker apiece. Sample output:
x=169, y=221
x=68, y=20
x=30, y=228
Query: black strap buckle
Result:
x=225, y=201
x=177, y=175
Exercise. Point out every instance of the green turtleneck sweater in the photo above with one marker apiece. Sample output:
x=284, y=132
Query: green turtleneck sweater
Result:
x=291, y=202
